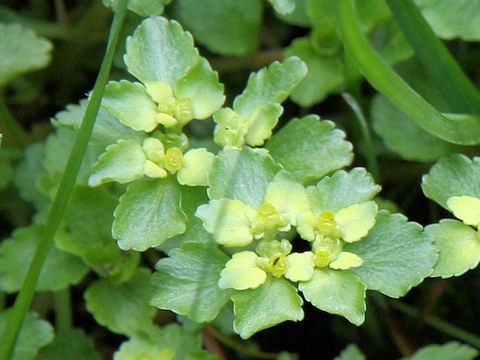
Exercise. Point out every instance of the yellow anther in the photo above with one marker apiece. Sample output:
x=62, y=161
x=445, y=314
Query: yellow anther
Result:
x=277, y=265
x=322, y=258
x=326, y=223
x=173, y=159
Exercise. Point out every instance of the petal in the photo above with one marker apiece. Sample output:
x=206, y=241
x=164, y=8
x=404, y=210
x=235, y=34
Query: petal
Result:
x=355, y=221
x=241, y=272
x=228, y=221
x=195, y=168
x=465, y=208
x=261, y=122
x=287, y=196
x=300, y=266
x=305, y=225
x=346, y=260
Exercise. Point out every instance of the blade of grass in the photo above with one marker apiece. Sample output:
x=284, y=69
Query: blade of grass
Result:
x=443, y=69
x=464, y=130
x=24, y=298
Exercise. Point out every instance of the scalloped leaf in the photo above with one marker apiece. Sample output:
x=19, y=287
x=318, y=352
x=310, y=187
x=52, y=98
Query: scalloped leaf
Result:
x=449, y=351
x=458, y=247
x=242, y=175
x=336, y=292
x=273, y=302
x=455, y=175
x=59, y=271
x=397, y=255
x=201, y=85
x=186, y=282
x=34, y=334
x=148, y=214
x=160, y=50
x=342, y=189
x=310, y=148
x=85, y=231
x=70, y=344
x=283, y=7
x=18, y=57
x=123, y=308
x=122, y=162
x=228, y=27
x=272, y=84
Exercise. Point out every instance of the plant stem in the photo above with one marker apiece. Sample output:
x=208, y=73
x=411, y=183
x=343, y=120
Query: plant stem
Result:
x=240, y=347
x=24, y=298
x=3, y=300
x=443, y=69
x=63, y=310
x=438, y=324
x=11, y=124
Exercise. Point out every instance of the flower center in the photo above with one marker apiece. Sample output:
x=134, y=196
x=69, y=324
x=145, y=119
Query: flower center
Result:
x=326, y=223
x=277, y=265
x=173, y=159
x=326, y=250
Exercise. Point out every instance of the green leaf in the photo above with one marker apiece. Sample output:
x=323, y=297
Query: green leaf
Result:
x=228, y=27
x=397, y=255
x=160, y=50
x=351, y=352
x=390, y=42
x=458, y=247
x=242, y=175
x=85, y=231
x=455, y=175
x=448, y=351
x=60, y=269
x=147, y=7
x=34, y=334
x=342, y=189
x=394, y=127
x=186, y=282
x=283, y=6
x=325, y=73
x=70, y=344
x=122, y=162
x=272, y=84
x=452, y=18
x=131, y=105
x=201, y=85
x=274, y=302
x=148, y=214
x=310, y=148
x=336, y=292
x=18, y=57
x=123, y=308
x=298, y=16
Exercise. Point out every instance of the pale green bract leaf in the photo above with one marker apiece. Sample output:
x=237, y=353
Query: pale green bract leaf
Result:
x=122, y=308
x=139, y=348
x=355, y=221
x=147, y=50
x=228, y=27
x=452, y=18
x=283, y=7
x=141, y=7
x=351, y=352
x=148, y=214
x=336, y=292
x=272, y=84
x=449, y=351
x=397, y=255
x=59, y=271
x=274, y=302
x=131, y=105
x=18, y=57
x=34, y=334
x=342, y=189
x=465, y=208
x=229, y=221
x=195, y=168
x=310, y=148
x=186, y=282
x=86, y=232
x=346, y=260
x=298, y=16
x=122, y=162
x=242, y=175
x=241, y=272
x=458, y=248
x=201, y=85
x=325, y=73
x=455, y=175
x=70, y=344
x=261, y=122
x=300, y=266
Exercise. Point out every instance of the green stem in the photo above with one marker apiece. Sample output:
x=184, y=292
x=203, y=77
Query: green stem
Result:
x=11, y=124
x=63, y=310
x=372, y=163
x=438, y=324
x=465, y=131
x=445, y=72
x=24, y=298
x=240, y=347
x=3, y=300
